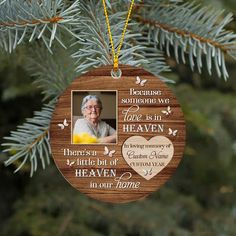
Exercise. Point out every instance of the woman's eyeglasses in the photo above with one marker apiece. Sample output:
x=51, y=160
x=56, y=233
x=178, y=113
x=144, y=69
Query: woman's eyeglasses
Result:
x=93, y=107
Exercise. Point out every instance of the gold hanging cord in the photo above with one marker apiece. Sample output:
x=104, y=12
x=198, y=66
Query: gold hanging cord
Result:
x=116, y=54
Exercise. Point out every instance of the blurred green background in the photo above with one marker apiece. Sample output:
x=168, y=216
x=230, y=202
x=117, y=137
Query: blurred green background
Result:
x=200, y=198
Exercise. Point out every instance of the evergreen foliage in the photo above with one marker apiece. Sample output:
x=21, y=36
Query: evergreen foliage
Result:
x=157, y=27
x=31, y=140
x=52, y=72
x=199, y=31
x=22, y=21
x=199, y=200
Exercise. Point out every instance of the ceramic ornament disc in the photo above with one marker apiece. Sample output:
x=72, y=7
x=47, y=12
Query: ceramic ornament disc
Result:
x=117, y=140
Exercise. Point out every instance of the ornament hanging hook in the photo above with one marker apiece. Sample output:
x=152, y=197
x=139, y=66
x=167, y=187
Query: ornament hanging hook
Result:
x=116, y=74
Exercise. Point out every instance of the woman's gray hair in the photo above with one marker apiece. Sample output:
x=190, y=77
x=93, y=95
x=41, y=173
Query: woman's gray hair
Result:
x=90, y=97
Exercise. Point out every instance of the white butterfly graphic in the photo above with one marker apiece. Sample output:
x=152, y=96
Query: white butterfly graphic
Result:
x=173, y=132
x=140, y=82
x=107, y=152
x=167, y=112
x=147, y=172
x=70, y=163
x=65, y=124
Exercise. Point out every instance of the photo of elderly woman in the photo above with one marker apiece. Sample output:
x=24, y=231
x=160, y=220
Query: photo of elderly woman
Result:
x=90, y=128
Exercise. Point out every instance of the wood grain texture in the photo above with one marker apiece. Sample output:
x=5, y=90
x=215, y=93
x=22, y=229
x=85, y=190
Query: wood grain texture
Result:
x=98, y=187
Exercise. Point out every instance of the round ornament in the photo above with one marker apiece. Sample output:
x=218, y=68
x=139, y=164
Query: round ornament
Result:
x=117, y=140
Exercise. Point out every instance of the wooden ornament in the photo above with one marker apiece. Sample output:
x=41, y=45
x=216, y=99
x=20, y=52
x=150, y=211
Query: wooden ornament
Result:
x=149, y=142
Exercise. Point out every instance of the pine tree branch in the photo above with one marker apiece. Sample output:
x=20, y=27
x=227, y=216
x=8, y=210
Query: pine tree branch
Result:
x=22, y=21
x=225, y=48
x=190, y=29
x=52, y=72
x=30, y=142
x=54, y=19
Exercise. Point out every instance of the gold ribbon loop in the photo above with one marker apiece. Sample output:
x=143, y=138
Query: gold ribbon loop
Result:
x=116, y=55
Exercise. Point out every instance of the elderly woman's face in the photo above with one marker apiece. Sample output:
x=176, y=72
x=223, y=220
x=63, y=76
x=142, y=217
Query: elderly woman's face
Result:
x=92, y=110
